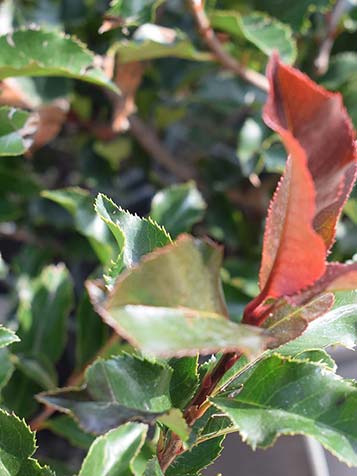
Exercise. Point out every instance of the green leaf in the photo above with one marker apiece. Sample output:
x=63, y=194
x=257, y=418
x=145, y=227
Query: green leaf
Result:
x=6, y=368
x=178, y=208
x=184, y=381
x=336, y=327
x=133, y=13
x=7, y=337
x=342, y=69
x=48, y=53
x=172, y=304
x=153, y=41
x=135, y=236
x=17, y=445
x=122, y=444
x=117, y=390
x=17, y=128
x=45, y=303
x=79, y=204
x=266, y=33
x=153, y=468
x=68, y=428
x=191, y=462
x=283, y=396
x=318, y=356
x=39, y=369
x=175, y=421
x=294, y=13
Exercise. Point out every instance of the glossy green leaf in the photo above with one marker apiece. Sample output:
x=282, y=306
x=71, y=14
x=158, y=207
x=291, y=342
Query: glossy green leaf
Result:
x=184, y=381
x=336, y=327
x=79, y=204
x=17, y=445
x=153, y=468
x=191, y=462
x=116, y=390
x=6, y=367
x=68, y=428
x=7, y=337
x=153, y=41
x=45, y=303
x=282, y=396
x=178, y=208
x=266, y=33
x=172, y=304
x=48, y=53
x=135, y=236
x=17, y=128
x=175, y=421
x=133, y=13
x=122, y=444
x=294, y=14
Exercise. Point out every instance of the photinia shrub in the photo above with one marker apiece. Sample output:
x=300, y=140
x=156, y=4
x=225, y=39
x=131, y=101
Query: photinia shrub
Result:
x=158, y=366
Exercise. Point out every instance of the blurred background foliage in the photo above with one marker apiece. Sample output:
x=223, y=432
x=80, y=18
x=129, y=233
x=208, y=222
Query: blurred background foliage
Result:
x=185, y=143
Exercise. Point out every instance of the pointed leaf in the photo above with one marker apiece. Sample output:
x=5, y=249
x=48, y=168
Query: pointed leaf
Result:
x=115, y=391
x=172, y=304
x=122, y=444
x=135, y=236
x=184, y=380
x=45, y=303
x=7, y=337
x=17, y=445
x=266, y=33
x=322, y=131
x=178, y=207
x=17, y=128
x=48, y=53
x=79, y=204
x=282, y=396
x=293, y=253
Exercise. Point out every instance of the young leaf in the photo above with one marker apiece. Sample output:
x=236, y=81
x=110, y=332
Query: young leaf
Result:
x=266, y=33
x=48, y=53
x=17, y=445
x=17, y=128
x=282, y=396
x=293, y=253
x=116, y=390
x=184, y=380
x=122, y=444
x=45, y=303
x=178, y=207
x=79, y=204
x=172, y=304
x=135, y=236
x=321, y=131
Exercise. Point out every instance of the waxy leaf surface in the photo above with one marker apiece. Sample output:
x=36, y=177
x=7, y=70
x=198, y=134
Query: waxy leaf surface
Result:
x=281, y=396
x=113, y=453
x=115, y=391
x=172, y=304
x=48, y=53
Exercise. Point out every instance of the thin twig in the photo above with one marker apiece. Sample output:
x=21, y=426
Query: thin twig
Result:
x=217, y=49
x=322, y=60
x=147, y=138
x=198, y=406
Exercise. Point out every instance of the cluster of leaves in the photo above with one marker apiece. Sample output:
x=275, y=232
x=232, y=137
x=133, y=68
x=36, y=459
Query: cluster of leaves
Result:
x=106, y=313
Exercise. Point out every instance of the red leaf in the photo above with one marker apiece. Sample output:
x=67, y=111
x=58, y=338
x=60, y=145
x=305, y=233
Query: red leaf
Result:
x=293, y=253
x=319, y=176
x=301, y=111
